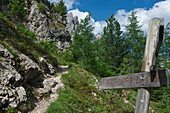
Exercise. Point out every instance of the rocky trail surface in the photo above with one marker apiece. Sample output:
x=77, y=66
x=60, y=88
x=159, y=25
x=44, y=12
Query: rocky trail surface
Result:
x=52, y=83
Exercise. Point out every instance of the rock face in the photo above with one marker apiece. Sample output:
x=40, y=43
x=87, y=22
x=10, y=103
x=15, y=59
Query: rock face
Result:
x=48, y=26
x=31, y=69
x=18, y=72
x=72, y=22
x=11, y=93
x=48, y=68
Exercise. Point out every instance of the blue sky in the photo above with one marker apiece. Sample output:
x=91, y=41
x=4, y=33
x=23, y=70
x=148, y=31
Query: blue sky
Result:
x=102, y=9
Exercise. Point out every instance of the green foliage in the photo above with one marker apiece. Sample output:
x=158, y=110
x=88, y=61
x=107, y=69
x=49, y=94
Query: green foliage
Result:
x=27, y=32
x=49, y=46
x=11, y=110
x=136, y=43
x=110, y=49
x=61, y=9
x=124, y=68
x=59, y=25
x=67, y=56
x=63, y=58
x=18, y=9
x=79, y=96
x=164, y=55
x=4, y=17
x=15, y=38
x=82, y=46
x=48, y=4
x=43, y=8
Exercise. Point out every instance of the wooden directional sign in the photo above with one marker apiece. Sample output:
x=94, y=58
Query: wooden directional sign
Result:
x=149, y=77
x=136, y=80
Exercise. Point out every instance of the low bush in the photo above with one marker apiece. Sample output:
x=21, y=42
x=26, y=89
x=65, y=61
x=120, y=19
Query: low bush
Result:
x=27, y=32
x=49, y=46
x=81, y=95
x=42, y=7
x=3, y=16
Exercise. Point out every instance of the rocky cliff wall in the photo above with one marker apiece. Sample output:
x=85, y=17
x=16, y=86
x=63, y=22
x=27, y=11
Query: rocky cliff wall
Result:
x=72, y=23
x=48, y=26
x=25, y=72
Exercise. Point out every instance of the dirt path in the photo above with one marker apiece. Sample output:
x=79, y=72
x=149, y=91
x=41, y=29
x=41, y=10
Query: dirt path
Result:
x=42, y=105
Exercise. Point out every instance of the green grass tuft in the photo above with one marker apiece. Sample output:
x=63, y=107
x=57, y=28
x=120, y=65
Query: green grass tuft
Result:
x=79, y=96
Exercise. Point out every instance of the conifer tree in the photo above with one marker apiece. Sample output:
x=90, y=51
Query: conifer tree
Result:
x=82, y=46
x=61, y=9
x=112, y=47
x=136, y=42
x=18, y=9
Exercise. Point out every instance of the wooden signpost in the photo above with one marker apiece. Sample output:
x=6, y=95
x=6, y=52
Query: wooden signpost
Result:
x=149, y=77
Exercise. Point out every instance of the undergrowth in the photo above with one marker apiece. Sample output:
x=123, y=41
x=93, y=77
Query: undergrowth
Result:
x=24, y=42
x=81, y=95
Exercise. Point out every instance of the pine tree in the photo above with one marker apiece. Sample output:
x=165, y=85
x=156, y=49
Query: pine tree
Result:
x=82, y=46
x=61, y=9
x=112, y=47
x=136, y=42
x=18, y=10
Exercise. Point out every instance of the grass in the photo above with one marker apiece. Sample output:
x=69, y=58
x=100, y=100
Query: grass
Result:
x=81, y=95
x=12, y=36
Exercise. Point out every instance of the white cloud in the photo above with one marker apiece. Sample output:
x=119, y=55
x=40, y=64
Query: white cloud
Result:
x=80, y=14
x=160, y=10
x=98, y=26
x=68, y=3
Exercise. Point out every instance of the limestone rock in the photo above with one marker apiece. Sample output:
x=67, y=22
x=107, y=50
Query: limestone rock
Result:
x=21, y=94
x=51, y=85
x=72, y=22
x=32, y=70
x=48, y=68
x=47, y=26
x=8, y=74
x=9, y=80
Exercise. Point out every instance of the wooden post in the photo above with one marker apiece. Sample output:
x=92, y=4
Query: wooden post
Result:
x=149, y=77
x=153, y=43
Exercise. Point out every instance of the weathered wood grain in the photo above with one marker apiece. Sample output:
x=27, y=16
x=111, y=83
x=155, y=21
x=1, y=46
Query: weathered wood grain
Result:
x=149, y=76
x=137, y=80
x=153, y=43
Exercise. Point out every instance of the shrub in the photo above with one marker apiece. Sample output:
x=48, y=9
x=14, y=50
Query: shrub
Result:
x=81, y=95
x=42, y=7
x=18, y=9
x=61, y=9
x=4, y=17
x=27, y=32
x=67, y=56
x=11, y=110
x=49, y=46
